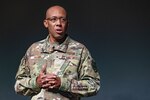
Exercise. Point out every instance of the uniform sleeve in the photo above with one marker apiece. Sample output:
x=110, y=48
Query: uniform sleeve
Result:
x=25, y=83
x=88, y=83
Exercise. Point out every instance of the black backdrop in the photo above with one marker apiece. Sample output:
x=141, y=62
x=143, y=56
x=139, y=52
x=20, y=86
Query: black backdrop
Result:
x=115, y=31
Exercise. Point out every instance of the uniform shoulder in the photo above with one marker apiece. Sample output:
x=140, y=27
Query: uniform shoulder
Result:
x=40, y=42
x=76, y=43
x=37, y=45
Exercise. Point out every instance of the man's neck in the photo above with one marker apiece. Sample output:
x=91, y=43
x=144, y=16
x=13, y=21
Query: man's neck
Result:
x=57, y=41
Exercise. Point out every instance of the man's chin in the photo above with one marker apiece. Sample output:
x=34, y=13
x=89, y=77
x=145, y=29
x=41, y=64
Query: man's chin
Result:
x=60, y=37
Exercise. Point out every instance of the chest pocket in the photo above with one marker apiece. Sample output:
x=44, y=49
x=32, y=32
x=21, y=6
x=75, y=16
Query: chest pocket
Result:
x=63, y=68
x=71, y=70
x=57, y=66
x=36, y=66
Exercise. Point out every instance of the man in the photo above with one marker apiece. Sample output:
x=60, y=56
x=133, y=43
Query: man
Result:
x=58, y=67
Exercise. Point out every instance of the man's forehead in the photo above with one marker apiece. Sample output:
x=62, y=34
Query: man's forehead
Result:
x=56, y=7
x=55, y=10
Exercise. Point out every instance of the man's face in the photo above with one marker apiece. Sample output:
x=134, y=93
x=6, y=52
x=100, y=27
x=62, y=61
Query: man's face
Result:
x=56, y=22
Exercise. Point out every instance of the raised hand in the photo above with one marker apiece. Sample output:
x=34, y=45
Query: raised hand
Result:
x=53, y=82
x=48, y=81
x=42, y=76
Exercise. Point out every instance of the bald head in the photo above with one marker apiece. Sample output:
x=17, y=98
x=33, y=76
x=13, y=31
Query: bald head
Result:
x=57, y=9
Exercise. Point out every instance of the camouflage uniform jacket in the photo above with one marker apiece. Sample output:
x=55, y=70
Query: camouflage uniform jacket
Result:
x=70, y=60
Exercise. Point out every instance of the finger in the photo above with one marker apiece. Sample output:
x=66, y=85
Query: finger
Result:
x=46, y=85
x=50, y=79
x=53, y=86
x=43, y=68
x=51, y=76
x=52, y=82
x=44, y=80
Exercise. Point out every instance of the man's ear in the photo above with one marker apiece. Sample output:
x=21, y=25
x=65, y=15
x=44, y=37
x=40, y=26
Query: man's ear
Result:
x=45, y=23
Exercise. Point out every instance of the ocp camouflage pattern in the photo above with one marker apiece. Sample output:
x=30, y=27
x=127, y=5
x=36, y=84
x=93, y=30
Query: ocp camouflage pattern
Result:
x=70, y=60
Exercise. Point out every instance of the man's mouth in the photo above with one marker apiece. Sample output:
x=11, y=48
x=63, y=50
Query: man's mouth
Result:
x=59, y=31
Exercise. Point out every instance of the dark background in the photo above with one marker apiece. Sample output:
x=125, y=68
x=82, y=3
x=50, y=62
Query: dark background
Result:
x=115, y=31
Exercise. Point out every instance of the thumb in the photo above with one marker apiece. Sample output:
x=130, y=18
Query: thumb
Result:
x=43, y=70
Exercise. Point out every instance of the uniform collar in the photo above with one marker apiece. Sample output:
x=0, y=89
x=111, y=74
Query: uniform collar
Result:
x=56, y=47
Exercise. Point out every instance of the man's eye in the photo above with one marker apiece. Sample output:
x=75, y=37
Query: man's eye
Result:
x=53, y=19
x=64, y=19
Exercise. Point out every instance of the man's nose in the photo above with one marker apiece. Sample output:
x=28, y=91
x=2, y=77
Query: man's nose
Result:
x=58, y=22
